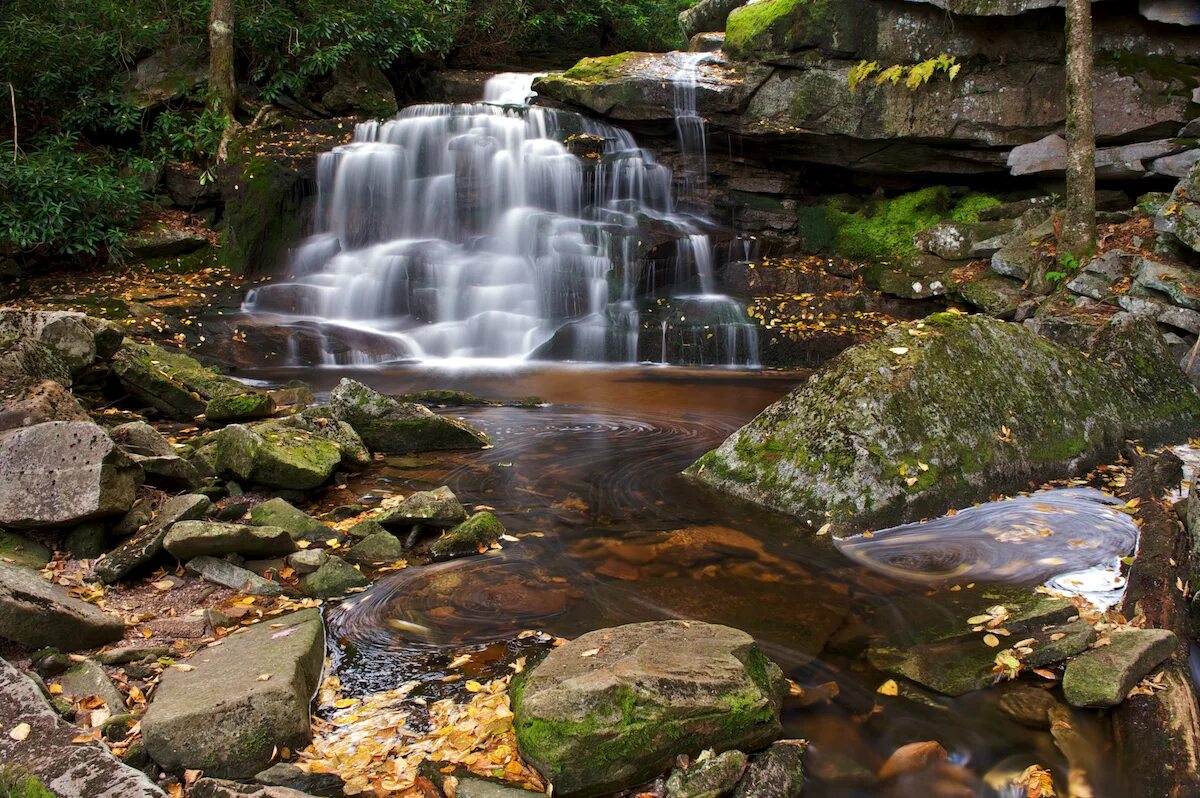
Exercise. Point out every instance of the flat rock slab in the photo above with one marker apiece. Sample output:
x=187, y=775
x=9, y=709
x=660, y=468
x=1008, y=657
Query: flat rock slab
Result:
x=188, y=539
x=614, y=707
x=147, y=544
x=89, y=679
x=1103, y=676
x=17, y=550
x=221, y=717
x=63, y=473
x=36, y=613
x=231, y=576
x=69, y=769
x=222, y=788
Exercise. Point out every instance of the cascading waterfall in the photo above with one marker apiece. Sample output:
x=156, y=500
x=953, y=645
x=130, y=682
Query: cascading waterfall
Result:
x=500, y=231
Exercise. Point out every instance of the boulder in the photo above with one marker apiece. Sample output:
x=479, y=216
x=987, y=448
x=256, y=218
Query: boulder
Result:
x=239, y=407
x=614, y=707
x=389, y=425
x=472, y=536
x=36, y=613
x=184, y=186
x=317, y=421
x=18, y=550
x=1048, y=154
x=25, y=361
x=70, y=769
x=945, y=412
x=163, y=242
x=62, y=473
x=145, y=545
x=173, y=383
x=39, y=402
x=89, y=679
x=188, y=539
x=307, y=560
x=301, y=526
x=222, y=572
x=360, y=88
x=161, y=463
x=87, y=541
x=706, y=16
x=221, y=717
x=1180, y=215
x=224, y=788
x=167, y=74
x=277, y=457
x=710, y=776
x=438, y=508
x=285, y=774
x=1179, y=284
x=335, y=577
x=1103, y=676
x=71, y=335
x=381, y=547
x=777, y=772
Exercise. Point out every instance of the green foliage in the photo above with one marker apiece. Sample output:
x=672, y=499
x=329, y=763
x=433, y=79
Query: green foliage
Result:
x=750, y=23
x=18, y=784
x=186, y=135
x=914, y=75
x=968, y=208
x=884, y=230
x=59, y=201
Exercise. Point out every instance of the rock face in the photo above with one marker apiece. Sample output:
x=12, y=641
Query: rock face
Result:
x=220, y=718
x=69, y=769
x=599, y=723
x=35, y=613
x=389, y=425
x=1104, y=676
x=62, y=473
x=943, y=413
x=188, y=539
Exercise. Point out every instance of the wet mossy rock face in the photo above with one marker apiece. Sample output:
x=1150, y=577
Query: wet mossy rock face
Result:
x=175, y=384
x=945, y=412
x=389, y=425
x=614, y=707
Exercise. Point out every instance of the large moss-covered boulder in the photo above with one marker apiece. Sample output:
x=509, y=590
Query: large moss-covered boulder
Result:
x=389, y=425
x=614, y=707
x=25, y=361
x=945, y=412
x=75, y=337
x=239, y=407
x=706, y=16
x=174, y=383
x=275, y=456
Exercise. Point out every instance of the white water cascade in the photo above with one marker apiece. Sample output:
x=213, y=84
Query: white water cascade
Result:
x=498, y=231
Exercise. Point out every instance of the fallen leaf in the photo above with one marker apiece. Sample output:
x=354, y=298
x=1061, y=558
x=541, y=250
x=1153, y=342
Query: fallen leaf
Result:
x=20, y=731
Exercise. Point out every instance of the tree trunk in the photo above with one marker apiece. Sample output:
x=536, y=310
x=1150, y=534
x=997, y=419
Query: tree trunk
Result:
x=1079, y=225
x=221, y=77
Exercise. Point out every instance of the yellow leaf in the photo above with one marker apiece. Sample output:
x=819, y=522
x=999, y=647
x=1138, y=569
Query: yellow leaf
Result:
x=473, y=686
x=591, y=652
x=991, y=640
x=889, y=688
x=20, y=731
x=899, y=350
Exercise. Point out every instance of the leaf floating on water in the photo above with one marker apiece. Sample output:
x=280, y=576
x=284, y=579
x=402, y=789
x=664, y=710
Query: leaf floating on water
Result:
x=889, y=688
x=461, y=659
x=510, y=538
x=991, y=640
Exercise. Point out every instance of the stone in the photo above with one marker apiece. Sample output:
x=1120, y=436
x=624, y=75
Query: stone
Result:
x=185, y=188
x=710, y=776
x=360, y=87
x=155, y=454
x=335, y=577
x=167, y=74
x=307, y=561
x=1030, y=706
x=388, y=425
x=1103, y=676
x=354, y=452
x=383, y=547
x=188, y=627
x=1179, y=284
x=285, y=774
x=18, y=550
x=62, y=473
x=36, y=613
x=966, y=398
x=188, y=539
x=991, y=294
x=118, y=727
x=173, y=383
x=1045, y=155
x=145, y=546
x=25, y=362
x=436, y=508
x=777, y=772
x=474, y=787
x=1161, y=312
x=89, y=679
x=140, y=514
x=37, y=403
x=646, y=692
x=1177, y=166
x=1130, y=161
x=1021, y=257
x=221, y=718
x=239, y=407
x=472, y=536
x=300, y=525
x=88, y=541
x=68, y=768
x=69, y=334
x=365, y=529
x=707, y=16
x=276, y=457
x=1180, y=217
x=222, y=572
x=123, y=655
x=224, y=788
x=707, y=42
x=163, y=242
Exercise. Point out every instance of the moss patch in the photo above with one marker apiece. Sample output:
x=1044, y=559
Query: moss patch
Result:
x=748, y=26
x=599, y=69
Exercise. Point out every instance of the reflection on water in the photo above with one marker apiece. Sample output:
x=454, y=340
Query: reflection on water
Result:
x=609, y=533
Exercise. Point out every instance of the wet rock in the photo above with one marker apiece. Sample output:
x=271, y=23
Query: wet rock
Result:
x=221, y=717
x=381, y=547
x=388, y=425
x=911, y=758
x=35, y=613
x=223, y=788
x=840, y=768
x=1030, y=706
x=360, y=87
x=308, y=560
x=37, y=403
x=335, y=577
x=710, y=776
x=222, y=572
x=144, y=546
x=70, y=769
x=472, y=536
x=316, y=421
x=1180, y=216
x=188, y=539
x=163, y=242
x=285, y=774
x=155, y=454
x=18, y=550
x=707, y=16
x=174, y=383
x=965, y=397
x=1103, y=676
x=438, y=508
x=89, y=679
x=239, y=407
x=777, y=772
x=62, y=473
x=87, y=541
x=643, y=694
x=275, y=457
x=300, y=525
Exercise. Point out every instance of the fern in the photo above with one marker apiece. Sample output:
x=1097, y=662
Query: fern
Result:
x=914, y=75
x=860, y=72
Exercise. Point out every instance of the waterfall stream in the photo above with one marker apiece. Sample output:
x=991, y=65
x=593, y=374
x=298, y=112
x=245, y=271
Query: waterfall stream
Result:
x=501, y=231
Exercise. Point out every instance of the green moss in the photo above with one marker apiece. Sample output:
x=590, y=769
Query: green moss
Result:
x=599, y=69
x=1165, y=68
x=239, y=406
x=15, y=783
x=968, y=208
x=747, y=26
x=883, y=231
x=477, y=532
x=817, y=231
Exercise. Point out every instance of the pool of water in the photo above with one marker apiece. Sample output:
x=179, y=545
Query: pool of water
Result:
x=609, y=533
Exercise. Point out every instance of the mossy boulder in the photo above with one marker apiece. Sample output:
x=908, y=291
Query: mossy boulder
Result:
x=945, y=412
x=386, y=424
x=239, y=407
x=710, y=776
x=276, y=457
x=707, y=16
x=1180, y=215
x=335, y=577
x=1104, y=676
x=472, y=536
x=320, y=422
x=377, y=548
x=777, y=772
x=174, y=383
x=299, y=524
x=438, y=508
x=614, y=707
x=25, y=361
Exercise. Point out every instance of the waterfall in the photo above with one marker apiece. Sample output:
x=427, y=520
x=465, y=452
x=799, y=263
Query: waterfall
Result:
x=497, y=231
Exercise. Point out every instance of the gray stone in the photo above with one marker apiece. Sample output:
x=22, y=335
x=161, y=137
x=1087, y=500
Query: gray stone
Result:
x=436, y=508
x=174, y=383
x=87, y=541
x=37, y=403
x=474, y=787
x=36, y=613
x=1161, y=312
x=472, y=536
x=1177, y=166
x=710, y=776
x=706, y=16
x=221, y=717
x=365, y=529
x=89, y=679
x=62, y=473
x=69, y=769
x=239, y=407
x=276, y=457
x=140, y=514
x=123, y=655
x=335, y=577
x=147, y=544
x=1019, y=257
x=225, y=573
x=1179, y=284
x=388, y=425
x=66, y=332
x=224, y=788
x=1044, y=155
x=383, y=547
x=1171, y=12
x=188, y=539
x=1180, y=216
x=18, y=550
x=1103, y=676
x=163, y=242
x=300, y=525
x=777, y=772
x=1129, y=161
x=643, y=694
x=285, y=774
x=360, y=87
x=318, y=422
x=155, y=454
x=308, y=560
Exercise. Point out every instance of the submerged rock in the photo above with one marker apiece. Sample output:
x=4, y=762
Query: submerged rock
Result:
x=1104, y=676
x=472, y=536
x=946, y=412
x=389, y=425
x=614, y=707
x=221, y=717
x=36, y=613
